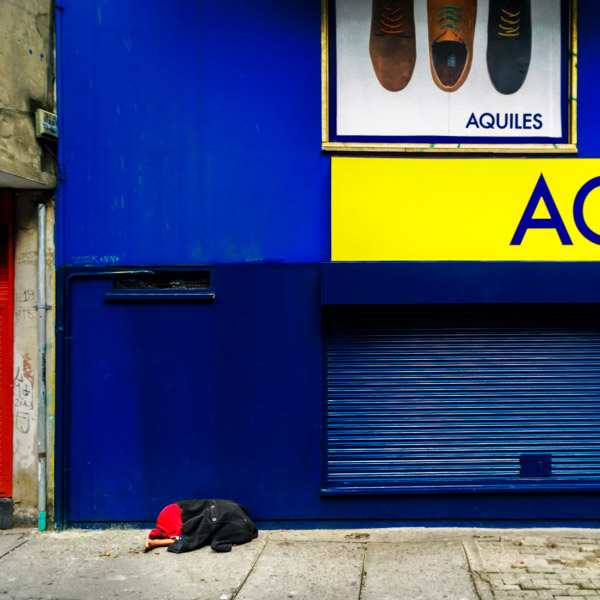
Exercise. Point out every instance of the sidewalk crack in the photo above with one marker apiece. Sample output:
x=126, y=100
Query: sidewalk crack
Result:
x=237, y=591
x=476, y=570
x=362, y=573
x=24, y=541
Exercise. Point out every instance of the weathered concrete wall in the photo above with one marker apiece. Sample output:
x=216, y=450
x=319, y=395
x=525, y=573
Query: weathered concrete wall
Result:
x=26, y=368
x=27, y=76
x=28, y=82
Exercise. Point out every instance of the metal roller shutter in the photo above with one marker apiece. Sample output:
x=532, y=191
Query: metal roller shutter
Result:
x=6, y=340
x=463, y=398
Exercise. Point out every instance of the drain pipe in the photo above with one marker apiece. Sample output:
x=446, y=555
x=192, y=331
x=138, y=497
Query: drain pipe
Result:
x=42, y=308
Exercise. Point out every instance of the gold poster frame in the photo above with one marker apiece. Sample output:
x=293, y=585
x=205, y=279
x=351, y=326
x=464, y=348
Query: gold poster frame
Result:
x=496, y=148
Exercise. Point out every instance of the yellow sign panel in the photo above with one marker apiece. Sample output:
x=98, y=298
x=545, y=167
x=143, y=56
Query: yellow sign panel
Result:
x=386, y=209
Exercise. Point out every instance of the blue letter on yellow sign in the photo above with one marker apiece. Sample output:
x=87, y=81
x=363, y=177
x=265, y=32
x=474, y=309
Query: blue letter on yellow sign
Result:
x=580, y=199
x=554, y=222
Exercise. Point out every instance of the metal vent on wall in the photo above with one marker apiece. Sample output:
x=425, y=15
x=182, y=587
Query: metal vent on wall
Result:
x=451, y=398
x=162, y=284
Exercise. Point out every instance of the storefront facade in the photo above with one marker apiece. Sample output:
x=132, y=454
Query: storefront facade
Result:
x=325, y=338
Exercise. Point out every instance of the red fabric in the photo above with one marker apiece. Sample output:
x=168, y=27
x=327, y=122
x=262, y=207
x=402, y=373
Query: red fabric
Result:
x=168, y=524
x=24, y=382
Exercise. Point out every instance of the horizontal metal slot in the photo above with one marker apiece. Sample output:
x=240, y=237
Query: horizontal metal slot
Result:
x=162, y=284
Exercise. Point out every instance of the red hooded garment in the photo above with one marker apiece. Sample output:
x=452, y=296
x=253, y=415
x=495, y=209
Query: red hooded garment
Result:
x=168, y=524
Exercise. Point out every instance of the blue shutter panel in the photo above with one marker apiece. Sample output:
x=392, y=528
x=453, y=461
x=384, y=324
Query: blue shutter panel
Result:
x=459, y=398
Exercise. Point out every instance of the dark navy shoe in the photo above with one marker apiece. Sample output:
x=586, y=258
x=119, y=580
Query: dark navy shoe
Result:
x=509, y=44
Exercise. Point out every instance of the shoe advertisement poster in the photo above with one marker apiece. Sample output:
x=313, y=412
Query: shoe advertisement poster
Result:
x=491, y=70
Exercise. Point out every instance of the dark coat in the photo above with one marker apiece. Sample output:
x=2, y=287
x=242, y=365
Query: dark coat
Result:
x=220, y=523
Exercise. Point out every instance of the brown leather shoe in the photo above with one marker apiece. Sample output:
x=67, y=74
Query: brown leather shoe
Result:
x=392, y=44
x=451, y=32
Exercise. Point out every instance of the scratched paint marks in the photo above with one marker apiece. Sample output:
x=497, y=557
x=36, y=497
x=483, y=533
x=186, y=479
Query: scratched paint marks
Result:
x=23, y=393
x=95, y=259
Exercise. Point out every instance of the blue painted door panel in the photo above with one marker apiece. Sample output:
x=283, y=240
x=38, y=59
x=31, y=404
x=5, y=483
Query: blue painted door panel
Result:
x=450, y=398
x=172, y=400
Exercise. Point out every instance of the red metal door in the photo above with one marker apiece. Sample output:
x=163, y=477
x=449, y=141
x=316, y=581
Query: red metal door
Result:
x=6, y=342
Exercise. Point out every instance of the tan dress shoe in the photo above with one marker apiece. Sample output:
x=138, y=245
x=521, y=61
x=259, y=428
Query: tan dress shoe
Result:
x=392, y=43
x=451, y=31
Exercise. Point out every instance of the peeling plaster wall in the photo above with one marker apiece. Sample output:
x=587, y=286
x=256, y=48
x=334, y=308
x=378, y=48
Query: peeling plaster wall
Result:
x=26, y=368
x=27, y=75
x=28, y=82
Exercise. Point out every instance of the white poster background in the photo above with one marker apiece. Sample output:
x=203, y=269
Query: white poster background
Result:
x=365, y=108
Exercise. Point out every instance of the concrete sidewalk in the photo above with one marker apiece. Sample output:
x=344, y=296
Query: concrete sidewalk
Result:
x=369, y=564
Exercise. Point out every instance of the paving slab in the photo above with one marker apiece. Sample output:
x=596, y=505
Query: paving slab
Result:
x=547, y=567
x=529, y=536
x=417, y=571
x=387, y=534
x=543, y=554
x=306, y=571
x=366, y=564
x=104, y=564
x=9, y=542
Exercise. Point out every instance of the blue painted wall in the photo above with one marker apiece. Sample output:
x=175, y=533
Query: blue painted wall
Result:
x=589, y=86
x=190, y=134
x=186, y=399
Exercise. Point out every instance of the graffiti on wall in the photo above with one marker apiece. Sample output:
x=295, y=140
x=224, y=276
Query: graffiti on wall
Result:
x=23, y=393
x=22, y=312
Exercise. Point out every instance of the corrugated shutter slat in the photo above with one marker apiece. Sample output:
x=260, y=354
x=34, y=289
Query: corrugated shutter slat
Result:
x=451, y=397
